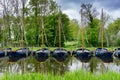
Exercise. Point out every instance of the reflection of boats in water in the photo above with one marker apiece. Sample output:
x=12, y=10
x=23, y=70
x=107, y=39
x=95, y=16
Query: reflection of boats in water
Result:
x=104, y=55
x=42, y=54
x=116, y=53
x=84, y=55
x=60, y=54
x=14, y=56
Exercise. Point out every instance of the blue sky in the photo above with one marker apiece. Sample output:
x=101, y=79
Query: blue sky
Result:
x=72, y=7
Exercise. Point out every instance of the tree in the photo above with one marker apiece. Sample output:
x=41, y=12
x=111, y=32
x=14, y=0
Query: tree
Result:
x=90, y=14
x=22, y=20
x=51, y=30
x=41, y=8
x=93, y=33
x=74, y=29
x=6, y=13
x=113, y=29
x=35, y=6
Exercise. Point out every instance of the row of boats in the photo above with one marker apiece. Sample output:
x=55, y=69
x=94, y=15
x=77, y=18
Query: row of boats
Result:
x=60, y=54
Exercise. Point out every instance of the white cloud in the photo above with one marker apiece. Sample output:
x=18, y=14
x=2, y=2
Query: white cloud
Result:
x=72, y=9
x=72, y=14
x=115, y=14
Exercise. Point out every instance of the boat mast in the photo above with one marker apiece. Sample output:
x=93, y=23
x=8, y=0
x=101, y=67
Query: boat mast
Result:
x=82, y=27
x=42, y=24
x=102, y=29
x=59, y=24
x=42, y=31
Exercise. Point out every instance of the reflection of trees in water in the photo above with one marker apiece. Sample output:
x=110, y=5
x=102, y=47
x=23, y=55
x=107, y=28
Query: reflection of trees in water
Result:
x=97, y=65
x=58, y=67
x=13, y=67
x=93, y=64
x=32, y=65
x=51, y=65
x=3, y=65
x=117, y=62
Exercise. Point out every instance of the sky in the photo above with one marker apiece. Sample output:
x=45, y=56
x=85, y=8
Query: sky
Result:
x=72, y=7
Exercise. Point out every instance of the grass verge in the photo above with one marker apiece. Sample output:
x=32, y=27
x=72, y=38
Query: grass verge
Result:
x=76, y=75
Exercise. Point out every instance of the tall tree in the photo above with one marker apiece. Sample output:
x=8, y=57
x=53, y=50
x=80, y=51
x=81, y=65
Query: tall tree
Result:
x=38, y=7
x=90, y=14
x=23, y=12
x=74, y=28
x=52, y=30
x=7, y=12
x=113, y=32
x=41, y=8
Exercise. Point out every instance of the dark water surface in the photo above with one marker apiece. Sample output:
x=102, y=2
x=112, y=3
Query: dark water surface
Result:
x=30, y=65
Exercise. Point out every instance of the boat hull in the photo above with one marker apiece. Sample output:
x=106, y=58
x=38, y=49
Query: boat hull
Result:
x=104, y=55
x=83, y=55
x=2, y=54
x=14, y=56
x=60, y=55
x=42, y=55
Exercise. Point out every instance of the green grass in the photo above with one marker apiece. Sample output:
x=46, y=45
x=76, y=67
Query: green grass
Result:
x=77, y=75
x=71, y=45
x=66, y=47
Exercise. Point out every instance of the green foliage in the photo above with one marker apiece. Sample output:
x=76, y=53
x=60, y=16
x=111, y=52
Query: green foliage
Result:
x=93, y=33
x=50, y=17
x=48, y=10
x=92, y=28
x=118, y=41
x=52, y=30
x=31, y=30
x=74, y=29
x=113, y=29
x=77, y=75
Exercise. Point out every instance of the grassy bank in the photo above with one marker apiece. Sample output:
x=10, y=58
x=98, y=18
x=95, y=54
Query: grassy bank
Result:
x=77, y=75
x=72, y=45
x=67, y=48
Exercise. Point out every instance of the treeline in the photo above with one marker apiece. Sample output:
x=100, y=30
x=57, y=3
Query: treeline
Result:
x=21, y=22
x=93, y=28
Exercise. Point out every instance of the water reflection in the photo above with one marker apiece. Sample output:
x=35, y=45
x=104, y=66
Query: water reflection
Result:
x=31, y=65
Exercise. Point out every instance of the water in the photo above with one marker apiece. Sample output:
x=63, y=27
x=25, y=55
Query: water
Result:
x=30, y=65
